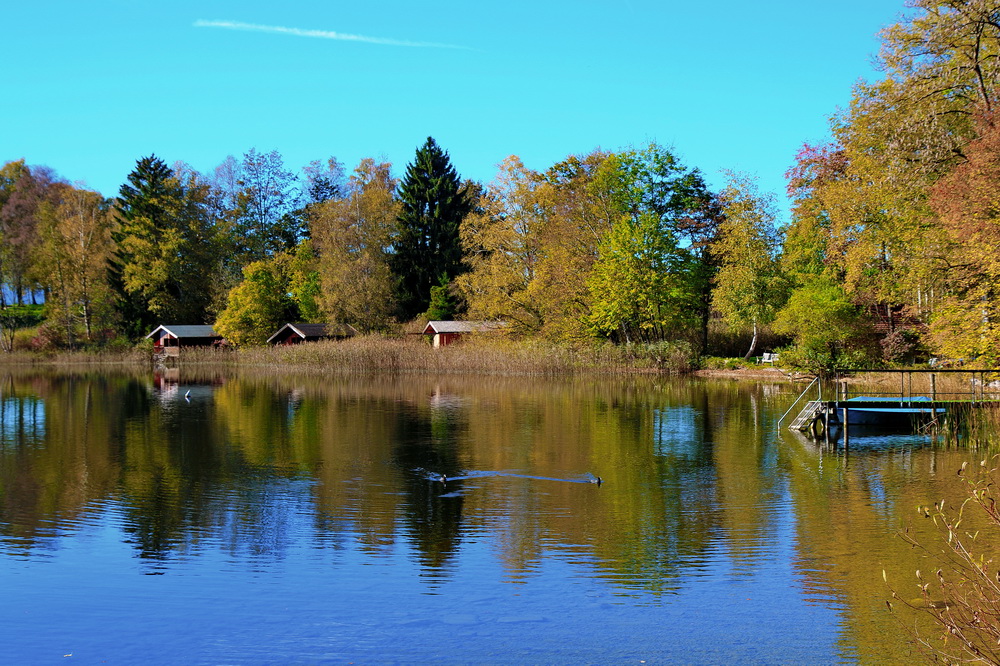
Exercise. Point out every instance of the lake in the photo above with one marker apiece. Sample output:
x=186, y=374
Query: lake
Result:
x=225, y=518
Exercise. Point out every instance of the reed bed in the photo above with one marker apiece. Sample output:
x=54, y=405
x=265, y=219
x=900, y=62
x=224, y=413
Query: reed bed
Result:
x=496, y=356
x=132, y=357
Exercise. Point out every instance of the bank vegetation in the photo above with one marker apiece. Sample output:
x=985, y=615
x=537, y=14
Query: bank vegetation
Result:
x=888, y=256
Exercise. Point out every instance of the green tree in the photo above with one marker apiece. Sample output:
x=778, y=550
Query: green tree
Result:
x=259, y=305
x=265, y=202
x=304, y=283
x=535, y=246
x=824, y=323
x=652, y=180
x=640, y=285
x=165, y=258
x=442, y=305
x=749, y=286
x=433, y=204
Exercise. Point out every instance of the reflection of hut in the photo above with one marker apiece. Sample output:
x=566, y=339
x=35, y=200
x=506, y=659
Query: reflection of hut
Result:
x=449, y=332
x=291, y=334
x=170, y=339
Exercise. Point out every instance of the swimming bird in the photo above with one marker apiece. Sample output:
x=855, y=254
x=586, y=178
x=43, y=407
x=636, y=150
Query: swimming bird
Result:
x=187, y=396
x=443, y=479
x=598, y=480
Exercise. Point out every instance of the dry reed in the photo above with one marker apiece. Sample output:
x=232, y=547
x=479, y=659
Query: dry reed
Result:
x=492, y=356
x=135, y=357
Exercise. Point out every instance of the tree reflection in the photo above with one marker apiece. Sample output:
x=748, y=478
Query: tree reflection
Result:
x=254, y=465
x=426, y=450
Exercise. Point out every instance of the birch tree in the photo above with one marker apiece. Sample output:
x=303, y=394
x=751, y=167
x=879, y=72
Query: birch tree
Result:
x=749, y=287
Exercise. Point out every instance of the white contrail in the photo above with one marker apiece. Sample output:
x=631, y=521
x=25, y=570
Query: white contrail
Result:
x=320, y=34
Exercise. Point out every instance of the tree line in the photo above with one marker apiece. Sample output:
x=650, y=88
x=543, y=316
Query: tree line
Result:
x=246, y=246
x=889, y=255
x=614, y=245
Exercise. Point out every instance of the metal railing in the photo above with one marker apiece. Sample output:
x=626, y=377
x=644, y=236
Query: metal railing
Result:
x=806, y=390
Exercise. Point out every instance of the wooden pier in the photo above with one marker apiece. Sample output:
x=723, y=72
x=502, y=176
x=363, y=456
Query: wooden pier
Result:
x=904, y=409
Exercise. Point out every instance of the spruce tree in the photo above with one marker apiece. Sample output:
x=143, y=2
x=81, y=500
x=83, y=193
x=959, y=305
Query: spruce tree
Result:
x=137, y=202
x=428, y=249
x=161, y=268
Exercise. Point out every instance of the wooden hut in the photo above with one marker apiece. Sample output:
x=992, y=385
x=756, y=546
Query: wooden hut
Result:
x=293, y=334
x=449, y=332
x=170, y=339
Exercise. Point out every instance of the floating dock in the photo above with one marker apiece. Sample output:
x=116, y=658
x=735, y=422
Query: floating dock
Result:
x=903, y=410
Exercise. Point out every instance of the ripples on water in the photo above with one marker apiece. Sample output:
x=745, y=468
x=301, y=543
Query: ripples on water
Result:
x=258, y=522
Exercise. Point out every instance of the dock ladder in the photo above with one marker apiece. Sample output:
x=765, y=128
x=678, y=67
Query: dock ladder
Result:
x=805, y=418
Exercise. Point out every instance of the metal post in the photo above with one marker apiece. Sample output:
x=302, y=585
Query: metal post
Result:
x=933, y=387
x=826, y=424
x=844, y=426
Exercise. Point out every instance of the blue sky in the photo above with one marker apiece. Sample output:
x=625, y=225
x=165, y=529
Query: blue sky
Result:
x=89, y=88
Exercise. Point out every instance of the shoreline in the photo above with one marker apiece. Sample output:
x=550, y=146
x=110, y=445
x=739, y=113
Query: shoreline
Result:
x=744, y=373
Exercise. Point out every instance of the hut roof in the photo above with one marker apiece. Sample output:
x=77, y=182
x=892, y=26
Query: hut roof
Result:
x=187, y=331
x=307, y=331
x=435, y=327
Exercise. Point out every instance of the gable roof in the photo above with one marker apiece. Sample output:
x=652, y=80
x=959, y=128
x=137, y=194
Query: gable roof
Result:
x=435, y=327
x=187, y=331
x=306, y=331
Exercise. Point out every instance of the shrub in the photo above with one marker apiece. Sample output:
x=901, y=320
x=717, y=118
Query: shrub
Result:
x=962, y=595
x=719, y=363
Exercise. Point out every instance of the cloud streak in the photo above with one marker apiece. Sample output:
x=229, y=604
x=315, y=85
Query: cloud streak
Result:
x=320, y=34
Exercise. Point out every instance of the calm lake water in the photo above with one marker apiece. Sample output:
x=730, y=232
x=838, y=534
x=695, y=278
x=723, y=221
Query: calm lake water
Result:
x=236, y=519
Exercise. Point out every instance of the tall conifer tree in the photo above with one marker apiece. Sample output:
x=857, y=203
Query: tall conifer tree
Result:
x=428, y=248
x=165, y=253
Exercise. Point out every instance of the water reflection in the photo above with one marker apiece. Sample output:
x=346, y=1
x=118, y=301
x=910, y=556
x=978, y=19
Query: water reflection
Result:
x=701, y=494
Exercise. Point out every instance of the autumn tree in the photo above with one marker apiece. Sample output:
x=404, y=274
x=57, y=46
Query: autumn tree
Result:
x=861, y=215
x=749, y=287
x=806, y=249
x=548, y=247
x=575, y=212
x=900, y=135
x=25, y=190
x=966, y=322
x=502, y=245
x=10, y=174
x=433, y=203
x=75, y=246
x=353, y=237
